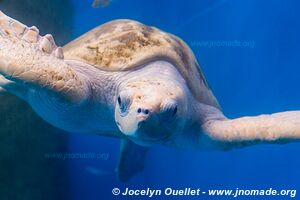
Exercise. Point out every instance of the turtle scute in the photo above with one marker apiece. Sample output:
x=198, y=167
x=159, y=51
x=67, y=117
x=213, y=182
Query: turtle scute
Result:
x=122, y=45
x=117, y=45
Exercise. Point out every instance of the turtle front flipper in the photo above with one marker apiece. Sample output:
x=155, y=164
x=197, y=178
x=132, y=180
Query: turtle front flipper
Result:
x=31, y=61
x=269, y=128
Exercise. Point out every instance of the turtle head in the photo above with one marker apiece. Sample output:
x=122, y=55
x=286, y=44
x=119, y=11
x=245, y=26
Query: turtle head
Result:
x=151, y=111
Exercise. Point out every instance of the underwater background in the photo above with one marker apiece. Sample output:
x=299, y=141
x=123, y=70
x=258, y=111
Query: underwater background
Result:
x=249, y=52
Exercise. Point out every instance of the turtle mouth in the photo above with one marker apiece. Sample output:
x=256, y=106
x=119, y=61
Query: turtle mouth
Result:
x=120, y=128
x=161, y=140
x=148, y=134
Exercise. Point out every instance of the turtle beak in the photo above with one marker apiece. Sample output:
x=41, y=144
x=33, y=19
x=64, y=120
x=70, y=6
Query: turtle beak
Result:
x=142, y=126
x=133, y=121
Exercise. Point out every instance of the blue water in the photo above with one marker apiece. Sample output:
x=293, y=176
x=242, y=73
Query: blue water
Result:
x=263, y=78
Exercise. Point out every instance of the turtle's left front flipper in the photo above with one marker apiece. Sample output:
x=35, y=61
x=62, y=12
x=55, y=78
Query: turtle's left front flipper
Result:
x=30, y=61
x=132, y=159
x=270, y=128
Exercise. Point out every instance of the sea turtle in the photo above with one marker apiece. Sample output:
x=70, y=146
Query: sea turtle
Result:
x=127, y=80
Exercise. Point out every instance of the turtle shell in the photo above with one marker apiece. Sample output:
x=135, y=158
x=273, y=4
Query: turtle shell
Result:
x=122, y=45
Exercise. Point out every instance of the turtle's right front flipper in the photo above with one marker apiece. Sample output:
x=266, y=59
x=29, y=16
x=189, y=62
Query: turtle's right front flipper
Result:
x=279, y=127
x=31, y=61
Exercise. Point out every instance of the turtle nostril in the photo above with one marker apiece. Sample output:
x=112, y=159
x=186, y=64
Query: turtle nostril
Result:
x=144, y=111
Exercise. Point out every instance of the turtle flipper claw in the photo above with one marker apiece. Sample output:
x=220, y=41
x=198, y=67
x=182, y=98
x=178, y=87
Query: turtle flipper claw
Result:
x=35, y=61
x=31, y=35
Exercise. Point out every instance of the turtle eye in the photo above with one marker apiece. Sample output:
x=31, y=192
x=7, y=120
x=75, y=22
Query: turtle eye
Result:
x=174, y=111
x=124, y=102
x=169, y=110
x=119, y=101
x=121, y=104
